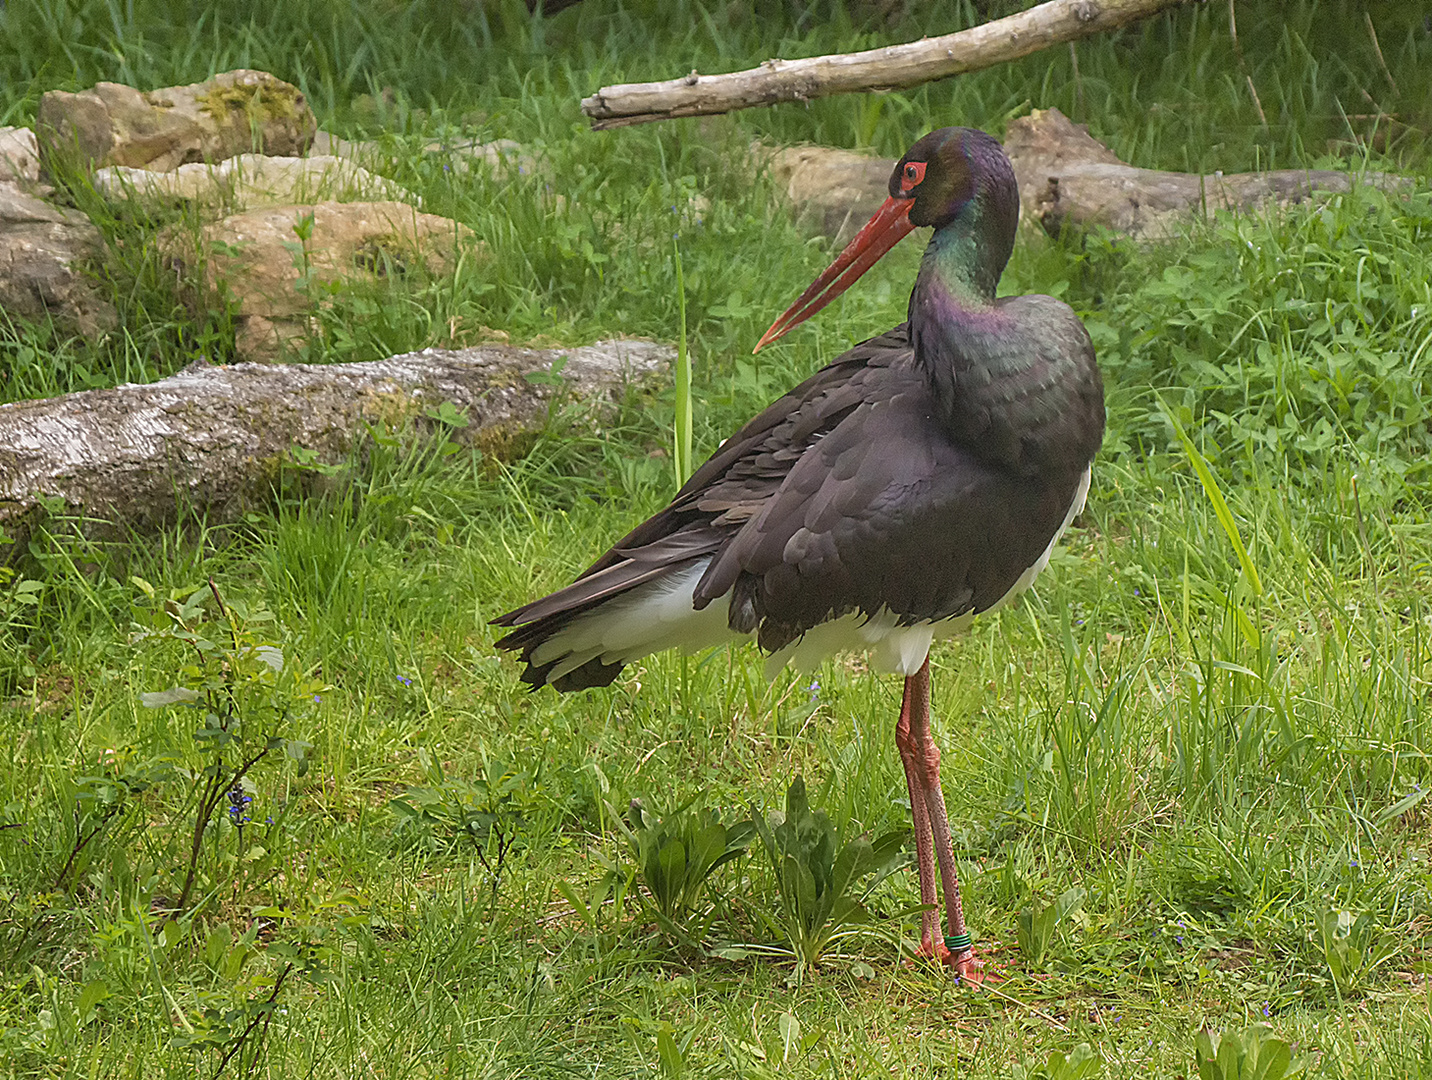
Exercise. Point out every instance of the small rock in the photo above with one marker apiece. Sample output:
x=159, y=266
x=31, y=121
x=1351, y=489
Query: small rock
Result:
x=257, y=257
x=501, y=156
x=232, y=113
x=834, y=191
x=327, y=144
x=252, y=180
x=39, y=247
x=19, y=155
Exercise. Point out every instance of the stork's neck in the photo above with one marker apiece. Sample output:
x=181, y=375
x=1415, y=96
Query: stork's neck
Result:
x=953, y=305
x=965, y=258
x=961, y=267
x=956, y=327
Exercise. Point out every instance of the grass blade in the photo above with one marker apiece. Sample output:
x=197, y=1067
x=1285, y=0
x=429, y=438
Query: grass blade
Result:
x=1215, y=497
x=681, y=450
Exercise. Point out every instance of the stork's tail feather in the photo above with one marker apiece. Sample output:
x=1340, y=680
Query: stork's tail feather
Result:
x=583, y=677
x=583, y=635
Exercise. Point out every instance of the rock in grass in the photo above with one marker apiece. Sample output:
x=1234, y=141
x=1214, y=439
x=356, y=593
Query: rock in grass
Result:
x=327, y=144
x=233, y=113
x=214, y=441
x=833, y=191
x=19, y=155
x=278, y=266
x=504, y=158
x=41, y=249
x=248, y=181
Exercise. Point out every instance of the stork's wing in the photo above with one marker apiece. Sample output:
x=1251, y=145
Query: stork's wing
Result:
x=722, y=495
x=885, y=512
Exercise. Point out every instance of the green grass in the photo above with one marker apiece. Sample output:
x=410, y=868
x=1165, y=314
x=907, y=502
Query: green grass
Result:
x=1217, y=765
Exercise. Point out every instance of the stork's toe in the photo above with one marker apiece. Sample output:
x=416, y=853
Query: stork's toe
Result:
x=969, y=969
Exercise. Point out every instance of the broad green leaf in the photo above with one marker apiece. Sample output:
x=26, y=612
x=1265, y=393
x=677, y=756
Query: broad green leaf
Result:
x=1205, y=1050
x=672, y=1061
x=578, y=904
x=790, y=1029
x=1402, y=805
x=90, y=997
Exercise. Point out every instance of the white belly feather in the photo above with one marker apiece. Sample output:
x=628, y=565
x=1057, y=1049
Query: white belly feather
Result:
x=659, y=615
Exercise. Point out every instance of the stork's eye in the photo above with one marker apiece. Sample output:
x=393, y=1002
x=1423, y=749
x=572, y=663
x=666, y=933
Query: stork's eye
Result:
x=914, y=173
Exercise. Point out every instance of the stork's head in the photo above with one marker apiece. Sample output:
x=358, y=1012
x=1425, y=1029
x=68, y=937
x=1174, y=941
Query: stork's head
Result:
x=952, y=178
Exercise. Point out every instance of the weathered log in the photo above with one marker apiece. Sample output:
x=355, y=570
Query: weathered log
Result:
x=891, y=68
x=212, y=439
x=1067, y=178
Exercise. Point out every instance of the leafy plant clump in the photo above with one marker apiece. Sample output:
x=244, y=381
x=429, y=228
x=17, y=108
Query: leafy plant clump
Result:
x=487, y=809
x=824, y=884
x=1081, y=1063
x=1251, y=1054
x=1353, y=947
x=676, y=854
x=247, y=694
x=1037, y=924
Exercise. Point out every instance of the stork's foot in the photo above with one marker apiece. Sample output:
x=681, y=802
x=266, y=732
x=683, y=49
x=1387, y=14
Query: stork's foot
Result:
x=969, y=968
x=932, y=949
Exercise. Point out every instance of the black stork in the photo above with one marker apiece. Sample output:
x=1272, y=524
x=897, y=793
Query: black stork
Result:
x=920, y=479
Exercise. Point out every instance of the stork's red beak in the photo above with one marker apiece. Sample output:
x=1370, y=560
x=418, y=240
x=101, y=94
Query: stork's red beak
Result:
x=888, y=227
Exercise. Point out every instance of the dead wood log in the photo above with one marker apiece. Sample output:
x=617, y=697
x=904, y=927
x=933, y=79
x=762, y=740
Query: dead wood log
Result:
x=211, y=440
x=890, y=68
x=1067, y=178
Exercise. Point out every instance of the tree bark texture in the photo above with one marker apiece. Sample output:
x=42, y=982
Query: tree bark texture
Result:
x=891, y=68
x=212, y=439
x=1068, y=178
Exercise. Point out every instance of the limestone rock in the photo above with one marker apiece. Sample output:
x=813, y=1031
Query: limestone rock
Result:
x=327, y=144
x=276, y=279
x=19, y=155
x=834, y=191
x=232, y=113
x=501, y=156
x=253, y=180
x=39, y=247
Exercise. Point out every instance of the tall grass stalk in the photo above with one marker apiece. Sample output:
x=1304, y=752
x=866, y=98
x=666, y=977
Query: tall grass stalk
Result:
x=681, y=440
x=1215, y=497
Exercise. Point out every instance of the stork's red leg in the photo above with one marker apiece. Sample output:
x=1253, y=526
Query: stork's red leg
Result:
x=924, y=766
x=930, y=943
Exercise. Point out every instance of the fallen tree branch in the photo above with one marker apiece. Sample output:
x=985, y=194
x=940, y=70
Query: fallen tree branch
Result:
x=1068, y=178
x=890, y=68
x=213, y=440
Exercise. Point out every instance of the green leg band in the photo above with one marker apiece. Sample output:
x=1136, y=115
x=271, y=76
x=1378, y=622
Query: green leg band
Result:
x=957, y=943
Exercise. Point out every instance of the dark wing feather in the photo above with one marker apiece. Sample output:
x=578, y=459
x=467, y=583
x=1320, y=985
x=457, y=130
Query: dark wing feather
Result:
x=718, y=499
